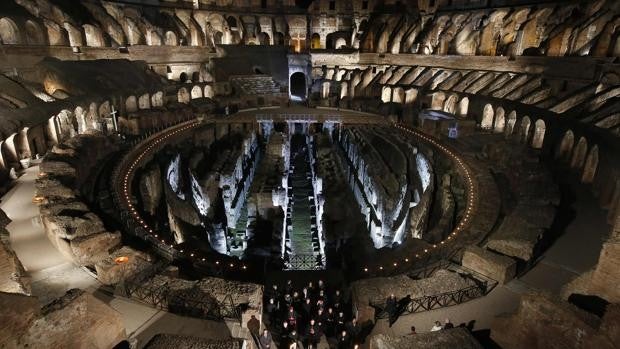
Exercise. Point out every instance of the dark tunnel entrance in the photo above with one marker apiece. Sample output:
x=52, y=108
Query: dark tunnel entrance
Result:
x=298, y=86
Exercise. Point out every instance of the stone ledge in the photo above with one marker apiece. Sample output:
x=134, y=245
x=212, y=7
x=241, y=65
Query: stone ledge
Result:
x=445, y=339
x=495, y=266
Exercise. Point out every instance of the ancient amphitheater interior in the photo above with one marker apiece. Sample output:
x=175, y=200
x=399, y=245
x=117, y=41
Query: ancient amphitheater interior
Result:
x=385, y=174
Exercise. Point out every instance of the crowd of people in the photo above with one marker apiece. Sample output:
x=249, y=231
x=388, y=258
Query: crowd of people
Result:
x=301, y=317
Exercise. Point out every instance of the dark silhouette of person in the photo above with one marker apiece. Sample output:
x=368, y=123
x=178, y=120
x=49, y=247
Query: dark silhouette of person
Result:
x=254, y=325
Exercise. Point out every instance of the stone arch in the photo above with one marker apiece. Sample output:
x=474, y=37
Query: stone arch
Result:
x=56, y=35
x=398, y=95
x=171, y=39
x=325, y=89
x=340, y=43
x=566, y=146
x=9, y=153
x=153, y=38
x=278, y=38
x=510, y=124
x=65, y=124
x=463, y=108
x=105, y=111
x=22, y=145
x=386, y=94
x=74, y=34
x=487, y=117
x=579, y=153
x=218, y=38
x=208, y=92
x=144, y=102
x=157, y=99
x=183, y=96
x=450, y=105
x=438, y=100
x=499, y=123
x=9, y=32
x=315, y=41
x=93, y=35
x=92, y=116
x=232, y=22
x=131, y=104
x=524, y=129
x=539, y=134
x=411, y=95
x=344, y=88
x=196, y=92
x=264, y=39
x=590, y=166
x=298, y=86
x=36, y=141
x=80, y=117
x=34, y=34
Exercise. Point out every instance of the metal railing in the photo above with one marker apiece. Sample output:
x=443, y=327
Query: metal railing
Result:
x=192, y=301
x=481, y=287
x=304, y=262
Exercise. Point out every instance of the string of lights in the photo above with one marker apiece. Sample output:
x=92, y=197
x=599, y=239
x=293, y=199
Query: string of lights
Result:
x=135, y=158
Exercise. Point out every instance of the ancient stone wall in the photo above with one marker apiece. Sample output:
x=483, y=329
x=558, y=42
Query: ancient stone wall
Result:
x=76, y=320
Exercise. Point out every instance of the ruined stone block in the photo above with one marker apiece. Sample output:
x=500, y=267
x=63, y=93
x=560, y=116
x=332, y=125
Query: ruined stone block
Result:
x=490, y=264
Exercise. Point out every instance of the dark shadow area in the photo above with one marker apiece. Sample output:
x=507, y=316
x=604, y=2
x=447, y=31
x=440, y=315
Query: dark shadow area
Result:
x=592, y=304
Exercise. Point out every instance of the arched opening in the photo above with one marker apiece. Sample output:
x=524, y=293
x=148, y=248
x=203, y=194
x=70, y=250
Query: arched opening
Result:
x=566, y=146
x=153, y=39
x=539, y=134
x=398, y=95
x=579, y=153
x=316, y=41
x=157, y=99
x=34, y=35
x=500, y=121
x=450, y=104
x=196, y=76
x=524, y=131
x=340, y=43
x=208, y=93
x=278, y=39
x=171, y=39
x=217, y=38
x=589, y=169
x=463, y=107
x=183, y=77
x=510, y=125
x=183, y=96
x=386, y=94
x=9, y=33
x=131, y=104
x=411, y=95
x=438, y=100
x=232, y=22
x=144, y=102
x=298, y=86
x=263, y=39
x=80, y=117
x=325, y=89
x=344, y=88
x=487, y=117
x=196, y=92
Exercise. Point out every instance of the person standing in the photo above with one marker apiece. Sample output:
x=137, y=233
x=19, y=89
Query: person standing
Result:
x=344, y=341
x=313, y=335
x=447, y=325
x=355, y=330
x=391, y=307
x=436, y=327
x=265, y=340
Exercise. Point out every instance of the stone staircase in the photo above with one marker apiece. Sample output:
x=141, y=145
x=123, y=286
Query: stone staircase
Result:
x=255, y=84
